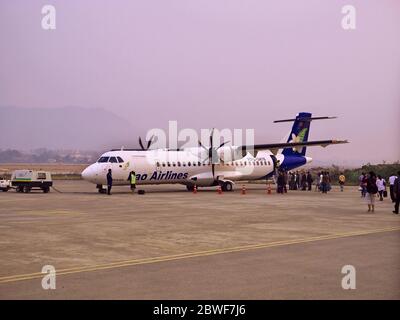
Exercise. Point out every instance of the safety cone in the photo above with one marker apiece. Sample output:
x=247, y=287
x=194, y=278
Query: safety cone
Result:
x=243, y=189
x=194, y=189
x=269, y=188
x=219, y=189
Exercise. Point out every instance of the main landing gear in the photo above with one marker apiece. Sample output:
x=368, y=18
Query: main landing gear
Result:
x=225, y=186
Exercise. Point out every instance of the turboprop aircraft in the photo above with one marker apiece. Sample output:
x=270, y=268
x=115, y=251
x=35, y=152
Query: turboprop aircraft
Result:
x=210, y=165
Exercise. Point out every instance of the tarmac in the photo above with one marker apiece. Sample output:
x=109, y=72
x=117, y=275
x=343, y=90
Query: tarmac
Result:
x=174, y=244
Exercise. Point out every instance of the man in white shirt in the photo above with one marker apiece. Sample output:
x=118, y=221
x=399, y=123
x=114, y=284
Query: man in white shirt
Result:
x=392, y=178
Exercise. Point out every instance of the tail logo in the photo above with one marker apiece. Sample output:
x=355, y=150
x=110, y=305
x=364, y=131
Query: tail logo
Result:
x=298, y=138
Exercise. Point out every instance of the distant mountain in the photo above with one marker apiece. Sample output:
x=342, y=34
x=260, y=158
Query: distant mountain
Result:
x=73, y=128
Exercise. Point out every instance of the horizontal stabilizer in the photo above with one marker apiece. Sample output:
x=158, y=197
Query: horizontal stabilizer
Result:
x=304, y=119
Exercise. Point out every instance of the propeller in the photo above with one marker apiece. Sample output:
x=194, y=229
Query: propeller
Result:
x=149, y=143
x=212, y=152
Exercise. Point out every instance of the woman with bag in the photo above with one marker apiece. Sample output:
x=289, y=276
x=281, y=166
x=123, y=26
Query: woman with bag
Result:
x=372, y=190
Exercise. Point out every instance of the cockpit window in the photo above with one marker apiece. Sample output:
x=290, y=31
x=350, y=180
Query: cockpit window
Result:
x=113, y=160
x=120, y=160
x=103, y=159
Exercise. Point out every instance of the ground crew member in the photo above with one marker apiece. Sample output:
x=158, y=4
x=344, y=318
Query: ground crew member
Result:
x=342, y=180
x=392, y=179
x=109, y=181
x=132, y=180
x=396, y=191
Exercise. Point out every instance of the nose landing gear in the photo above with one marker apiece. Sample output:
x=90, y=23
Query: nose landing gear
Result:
x=101, y=189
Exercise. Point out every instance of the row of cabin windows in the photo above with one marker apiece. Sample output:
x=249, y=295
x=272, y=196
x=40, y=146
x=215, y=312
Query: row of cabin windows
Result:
x=199, y=164
x=110, y=159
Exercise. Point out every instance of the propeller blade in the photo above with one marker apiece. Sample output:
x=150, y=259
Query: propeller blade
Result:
x=213, y=170
x=201, y=145
x=211, y=138
x=222, y=144
x=141, y=144
x=150, y=142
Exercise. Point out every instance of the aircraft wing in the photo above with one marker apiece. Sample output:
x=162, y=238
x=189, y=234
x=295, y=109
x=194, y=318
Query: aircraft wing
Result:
x=274, y=147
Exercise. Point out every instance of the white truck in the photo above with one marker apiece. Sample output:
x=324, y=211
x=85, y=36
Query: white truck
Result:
x=26, y=180
x=5, y=185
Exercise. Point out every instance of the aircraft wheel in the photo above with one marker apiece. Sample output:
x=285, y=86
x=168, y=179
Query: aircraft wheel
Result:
x=190, y=187
x=227, y=186
x=27, y=189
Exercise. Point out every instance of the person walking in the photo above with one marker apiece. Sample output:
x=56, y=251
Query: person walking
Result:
x=296, y=180
x=342, y=180
x=310, y=180
x=396, y=193
x=372, y=190
x=280, y=182
x=392, y=179
x=329, y=181
x=318, y=183
x=109, y=181
x=381, y=184
x=362, y=179
x=132, y=180
x=290, y=181
x=285, y=181
x=325, y=182
x=303, y=181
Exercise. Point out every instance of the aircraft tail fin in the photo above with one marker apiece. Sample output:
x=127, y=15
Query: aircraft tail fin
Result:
x=299, y=133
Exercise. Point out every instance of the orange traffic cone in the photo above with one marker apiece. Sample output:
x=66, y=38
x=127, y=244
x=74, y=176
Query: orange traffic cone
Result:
x=219, y=189
x=243, y=189
x=269, y=188
x=194, y=189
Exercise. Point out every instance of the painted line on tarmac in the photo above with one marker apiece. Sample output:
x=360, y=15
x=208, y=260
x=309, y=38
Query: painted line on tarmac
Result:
x=133, y=262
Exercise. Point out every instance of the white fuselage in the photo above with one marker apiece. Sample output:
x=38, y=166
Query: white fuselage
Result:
x=183, y=167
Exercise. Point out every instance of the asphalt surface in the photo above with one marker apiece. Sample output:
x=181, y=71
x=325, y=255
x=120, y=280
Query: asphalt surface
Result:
x=172, y=244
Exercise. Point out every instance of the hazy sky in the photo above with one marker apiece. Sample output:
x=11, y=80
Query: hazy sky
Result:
x=214, y=63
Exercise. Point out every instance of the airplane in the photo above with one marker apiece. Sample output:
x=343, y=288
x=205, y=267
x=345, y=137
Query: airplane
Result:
x=203, y=166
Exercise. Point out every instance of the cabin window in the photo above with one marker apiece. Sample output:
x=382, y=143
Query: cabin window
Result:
x=41, y=175
x=189, y=164
x=199, y=163
x=173, y=164
x=184, y=164
x=194, y=164
x=120, y=160
x=103, y=159
x=168, y=164
x=179, y=164
x=163, y=164
x=157, y=164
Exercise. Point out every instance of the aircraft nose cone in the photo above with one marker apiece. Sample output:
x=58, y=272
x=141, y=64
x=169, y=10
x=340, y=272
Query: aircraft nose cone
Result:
x=87, y=173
